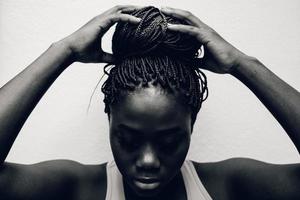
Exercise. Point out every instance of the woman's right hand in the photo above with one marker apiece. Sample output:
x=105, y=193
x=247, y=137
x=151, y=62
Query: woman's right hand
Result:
x=85, y=43
x=219, y=55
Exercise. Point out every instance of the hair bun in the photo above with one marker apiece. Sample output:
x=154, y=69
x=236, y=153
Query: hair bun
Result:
x=151, y=37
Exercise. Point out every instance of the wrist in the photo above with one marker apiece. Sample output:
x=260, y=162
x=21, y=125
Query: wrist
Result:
x=64, y=46
x=244, y=63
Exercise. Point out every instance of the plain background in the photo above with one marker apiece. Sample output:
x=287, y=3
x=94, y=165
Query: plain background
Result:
x=231, y=123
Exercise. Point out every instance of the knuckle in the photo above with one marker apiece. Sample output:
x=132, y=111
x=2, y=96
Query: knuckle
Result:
x=206, y=29
x=127, y=19
x=192, y=28
x=95, y=18
x=187, y=14
x=118, y=7
x=116, y=17
x=101, y=27
x=211, y=31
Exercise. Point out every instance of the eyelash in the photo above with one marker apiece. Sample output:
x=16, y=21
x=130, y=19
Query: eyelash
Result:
x=128, y=143
x=169, y=144
x=131, y=144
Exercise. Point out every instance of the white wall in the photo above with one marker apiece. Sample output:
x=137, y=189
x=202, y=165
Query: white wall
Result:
x=232, y=121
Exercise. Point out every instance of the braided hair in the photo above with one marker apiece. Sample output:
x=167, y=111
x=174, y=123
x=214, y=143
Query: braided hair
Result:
x=148, y=53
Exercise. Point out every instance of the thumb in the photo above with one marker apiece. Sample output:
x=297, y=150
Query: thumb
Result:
x=208, y=64
x=105, y=57
x=201, y=63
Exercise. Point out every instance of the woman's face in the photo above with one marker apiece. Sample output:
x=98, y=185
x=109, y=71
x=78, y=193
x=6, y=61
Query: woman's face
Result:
x=150, y=136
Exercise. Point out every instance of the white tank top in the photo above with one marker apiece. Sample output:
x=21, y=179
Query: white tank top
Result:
x=193, y=186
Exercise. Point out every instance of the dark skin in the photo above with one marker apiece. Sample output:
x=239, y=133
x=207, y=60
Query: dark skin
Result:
x=236, y=178
x=150, y=136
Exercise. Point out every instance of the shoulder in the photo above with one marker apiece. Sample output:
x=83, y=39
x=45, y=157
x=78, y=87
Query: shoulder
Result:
x=54, y=179
x=261, y=180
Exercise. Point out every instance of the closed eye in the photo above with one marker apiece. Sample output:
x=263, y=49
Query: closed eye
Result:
x=170, y=144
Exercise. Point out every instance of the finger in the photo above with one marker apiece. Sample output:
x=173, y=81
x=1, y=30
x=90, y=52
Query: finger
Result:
x=183, y=15
x=131, y=9
x=202, y=35
x=126, y=18
x=110, y=21
x=201, y=63
x=188, y=29
x=208, y=64
x=120, y=17
x=125, y=8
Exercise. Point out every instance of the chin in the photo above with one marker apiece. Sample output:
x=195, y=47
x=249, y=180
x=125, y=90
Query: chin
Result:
x=147, y=193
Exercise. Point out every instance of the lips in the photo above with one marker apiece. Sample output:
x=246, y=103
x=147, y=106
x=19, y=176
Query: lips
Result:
x=147, y=183
x=147, y=180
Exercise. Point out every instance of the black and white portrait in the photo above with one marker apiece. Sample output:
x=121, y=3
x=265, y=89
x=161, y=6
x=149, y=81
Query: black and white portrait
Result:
x=149, y=100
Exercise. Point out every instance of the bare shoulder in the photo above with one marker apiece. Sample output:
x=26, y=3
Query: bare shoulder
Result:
x=252, y=179
x=54, y=179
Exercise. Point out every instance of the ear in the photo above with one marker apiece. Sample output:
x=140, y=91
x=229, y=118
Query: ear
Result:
x=108, y=115
x=192, y=126
x=193, y=119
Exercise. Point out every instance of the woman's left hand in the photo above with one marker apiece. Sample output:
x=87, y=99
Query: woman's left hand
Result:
x=219, y=55
x=85, y=43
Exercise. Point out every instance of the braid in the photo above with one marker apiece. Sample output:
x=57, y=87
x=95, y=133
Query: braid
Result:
x=149, y=54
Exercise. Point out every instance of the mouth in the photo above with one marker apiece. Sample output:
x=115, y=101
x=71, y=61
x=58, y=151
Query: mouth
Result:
x=147, y=183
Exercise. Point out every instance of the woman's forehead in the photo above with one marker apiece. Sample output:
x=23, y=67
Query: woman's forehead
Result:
x=150, y=108
x=149, y=98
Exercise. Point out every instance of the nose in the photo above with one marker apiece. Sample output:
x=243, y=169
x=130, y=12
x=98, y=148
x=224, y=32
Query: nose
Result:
x=148, y=160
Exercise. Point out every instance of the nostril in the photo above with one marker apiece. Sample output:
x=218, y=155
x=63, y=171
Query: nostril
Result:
x=148, y=162
x=148, y=166
x=147, y=171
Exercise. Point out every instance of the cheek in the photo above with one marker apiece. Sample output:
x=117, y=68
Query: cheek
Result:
x=120, y=154
x=177, y=156
x=116, y=147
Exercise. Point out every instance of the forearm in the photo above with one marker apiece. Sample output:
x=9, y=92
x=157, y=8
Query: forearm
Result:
x=21, y=94
x=281, y=99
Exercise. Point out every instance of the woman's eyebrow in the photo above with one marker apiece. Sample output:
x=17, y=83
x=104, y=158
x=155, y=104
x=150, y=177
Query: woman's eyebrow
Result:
x=172, y=130
x=128, y=128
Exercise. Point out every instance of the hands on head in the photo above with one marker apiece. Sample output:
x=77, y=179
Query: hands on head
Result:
x=219, y=55
x=85, y=44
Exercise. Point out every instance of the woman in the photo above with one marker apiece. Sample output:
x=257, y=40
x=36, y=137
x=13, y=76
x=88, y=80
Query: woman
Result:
x=152, y=96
